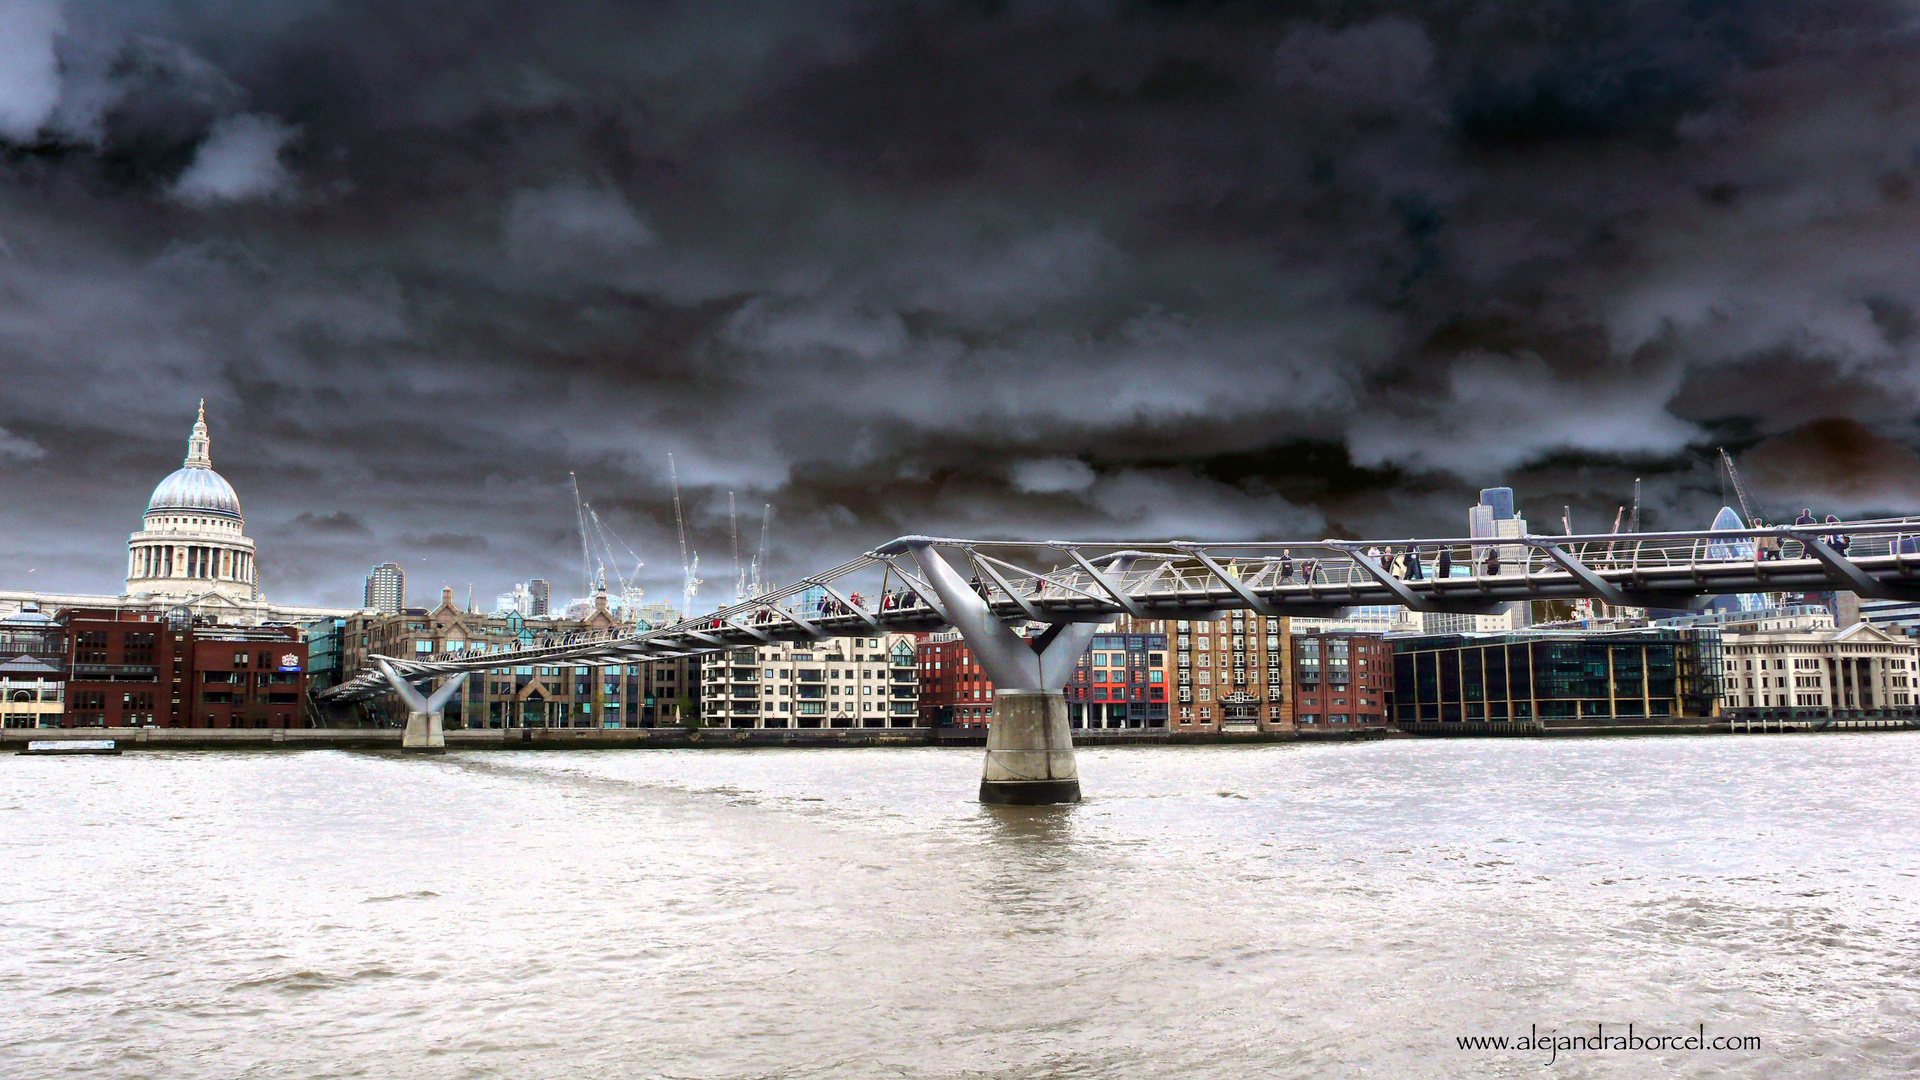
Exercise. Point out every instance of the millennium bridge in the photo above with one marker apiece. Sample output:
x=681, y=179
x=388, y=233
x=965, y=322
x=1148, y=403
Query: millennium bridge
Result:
x=1027, y=610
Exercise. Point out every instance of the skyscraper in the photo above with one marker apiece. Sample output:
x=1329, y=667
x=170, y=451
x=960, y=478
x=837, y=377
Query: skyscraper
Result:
x=542, y=593
x=1494, y=516
x=386, y=588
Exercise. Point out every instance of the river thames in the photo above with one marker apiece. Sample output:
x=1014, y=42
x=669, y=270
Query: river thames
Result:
x=1296, y=910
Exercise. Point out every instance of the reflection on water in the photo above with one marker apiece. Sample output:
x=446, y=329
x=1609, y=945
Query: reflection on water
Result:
x=1044, y=825
x=1292, y=911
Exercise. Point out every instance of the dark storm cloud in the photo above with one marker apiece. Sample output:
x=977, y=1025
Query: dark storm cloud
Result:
x=340, y=523
x=1039, y=269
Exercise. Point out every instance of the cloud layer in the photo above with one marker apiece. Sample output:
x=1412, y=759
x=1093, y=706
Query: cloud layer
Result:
x=1036, y=269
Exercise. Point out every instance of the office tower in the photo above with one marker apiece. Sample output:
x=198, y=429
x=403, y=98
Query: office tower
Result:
x=386, y=588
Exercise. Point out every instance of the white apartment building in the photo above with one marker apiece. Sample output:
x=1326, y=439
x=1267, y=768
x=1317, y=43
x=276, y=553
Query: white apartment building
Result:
x=838, y=683
x=1804, y=662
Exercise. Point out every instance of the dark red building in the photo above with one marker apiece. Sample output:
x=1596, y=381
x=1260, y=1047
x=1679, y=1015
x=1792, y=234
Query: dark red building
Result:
x=252, y=677
x=134, y=668
x=126, y=669
x=953, y=692
x=1341, y=680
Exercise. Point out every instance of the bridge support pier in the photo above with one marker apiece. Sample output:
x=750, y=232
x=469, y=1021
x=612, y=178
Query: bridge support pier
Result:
x=1029, y=745
x=425, y=733
x=1029, y=751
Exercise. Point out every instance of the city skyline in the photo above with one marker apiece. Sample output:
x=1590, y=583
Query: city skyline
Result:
x=1134, y=271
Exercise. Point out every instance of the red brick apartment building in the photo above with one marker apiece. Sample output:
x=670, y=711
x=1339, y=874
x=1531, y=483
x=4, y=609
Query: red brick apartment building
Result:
x=1122, y=681
x=132, y=668
x=1227, y=674
x=1341, y=681
x=953, y=690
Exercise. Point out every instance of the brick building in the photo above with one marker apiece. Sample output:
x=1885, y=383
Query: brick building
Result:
x=954, y=692
x=1124, y=680
x=247, y=677
x=1237, y=672
x=128, y=668
x=1231, y=673
x=1341, y=680
x=132, y=668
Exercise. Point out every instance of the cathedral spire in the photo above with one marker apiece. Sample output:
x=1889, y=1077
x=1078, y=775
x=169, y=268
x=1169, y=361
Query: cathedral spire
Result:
x=198, y=444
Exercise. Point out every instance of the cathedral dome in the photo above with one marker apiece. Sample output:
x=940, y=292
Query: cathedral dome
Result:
x=197, y=489
x=194, y=487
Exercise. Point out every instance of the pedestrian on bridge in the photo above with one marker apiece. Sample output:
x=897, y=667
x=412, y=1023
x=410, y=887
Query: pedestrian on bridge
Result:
x=1414, y=569
x=1805, y=520
x=1443, y=566
x=1286, y=566
x=1838, y=541
x=1492, y=562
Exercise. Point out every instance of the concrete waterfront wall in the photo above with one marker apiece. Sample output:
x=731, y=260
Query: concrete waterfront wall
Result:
x=165, y=738
x=162, y=738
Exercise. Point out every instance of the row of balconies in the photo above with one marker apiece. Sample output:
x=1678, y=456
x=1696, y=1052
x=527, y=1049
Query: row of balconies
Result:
x=804, y=693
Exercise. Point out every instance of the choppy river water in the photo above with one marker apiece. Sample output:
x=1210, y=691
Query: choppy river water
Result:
x=1350, y=910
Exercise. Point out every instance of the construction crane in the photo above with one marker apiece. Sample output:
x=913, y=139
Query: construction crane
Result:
x=580, y=517
x=1633, y=521
x=630, y=592
x=739, y=571
x=598, y=543
x=689, y=583
x=760, y=560
x=1739, y=489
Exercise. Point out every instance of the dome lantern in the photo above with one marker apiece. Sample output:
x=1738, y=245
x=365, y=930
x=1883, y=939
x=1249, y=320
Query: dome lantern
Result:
x=194, y=487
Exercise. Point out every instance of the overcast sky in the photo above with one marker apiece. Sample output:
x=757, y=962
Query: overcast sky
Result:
x=1010, y=268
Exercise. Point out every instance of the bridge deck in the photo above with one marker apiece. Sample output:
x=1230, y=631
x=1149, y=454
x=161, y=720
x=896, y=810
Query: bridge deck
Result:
x=881, y=591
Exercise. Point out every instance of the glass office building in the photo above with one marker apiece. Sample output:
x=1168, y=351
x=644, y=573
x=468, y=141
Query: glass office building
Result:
x=1546, y=678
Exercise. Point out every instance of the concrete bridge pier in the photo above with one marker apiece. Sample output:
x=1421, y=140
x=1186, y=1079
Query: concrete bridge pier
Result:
x=1029, y=752
x=425, y=733
x=1029, y=745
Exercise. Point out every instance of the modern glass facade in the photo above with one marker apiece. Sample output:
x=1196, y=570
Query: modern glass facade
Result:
x=1543, y=677
x=324, y=638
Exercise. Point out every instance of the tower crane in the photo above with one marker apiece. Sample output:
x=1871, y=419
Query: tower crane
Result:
x=630, y=592
x=689, y=584
x=1739, y=489
x=760, y=559
x=739, y=571
x=598, y=543
x=580, y=518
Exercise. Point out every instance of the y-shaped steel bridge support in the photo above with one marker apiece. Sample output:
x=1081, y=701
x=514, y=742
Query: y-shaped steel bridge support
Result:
x=1029, y=745
x=425, y=733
